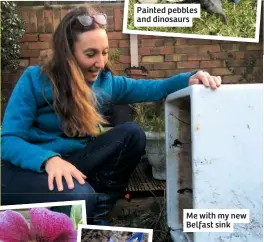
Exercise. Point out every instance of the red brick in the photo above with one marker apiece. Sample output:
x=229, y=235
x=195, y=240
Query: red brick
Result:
x=176, y=57
x=147, y=43
x=144, y=51
x=153, y=59
x=32, y=21
x=162, y=50
x=25, y=17
x=253, y=53
x=211, y=48
x=221, y=72
x=198, y=57
x=232, y=79
x=214, y=42
x=239, y=70
x=15, y=76
x=118, y=19
x=186, y=49
x=123, y=43
x=233, y=63
x=259, y=62
x=34, y=61
x=117, y=35
x=48, y=19
x=152, y=42
x=110, y=23
x=198, y=42
x=169, y=42
x=146, y=37
x=156, y=74
x=45, y=37
x=148, y=66
x=29, y=38
x=224, y=55
x=159, y=42
x=209, y=70
x=6, y=85
x=125, y=59
x=24, y=46
x=181, y=41
x=40, y=21
x=188, y=64
x=255, y=46
x=211, y=63
x=258, y=70
x=56, y=18
x=165, y=66
x=39, y=45
x=168, y=57
x=242, y=46
x=230, y=47
x=29, y=53
x=113, y=43
x=240, y=55
x=169, y=73
x=118, y=67
x=124, y=51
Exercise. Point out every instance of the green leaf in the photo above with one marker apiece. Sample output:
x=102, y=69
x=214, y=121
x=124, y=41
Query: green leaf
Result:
x=76, y=215
x=12, y=26
x=101, y=129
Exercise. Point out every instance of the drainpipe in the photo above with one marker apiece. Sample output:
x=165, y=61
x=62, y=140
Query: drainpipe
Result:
x=134, y=50
x=135, y=71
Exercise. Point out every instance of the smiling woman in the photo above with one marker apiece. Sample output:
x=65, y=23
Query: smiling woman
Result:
x=51, y=127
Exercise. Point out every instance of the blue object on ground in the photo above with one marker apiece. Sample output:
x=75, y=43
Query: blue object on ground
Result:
x=236, y=1
x=136, y=237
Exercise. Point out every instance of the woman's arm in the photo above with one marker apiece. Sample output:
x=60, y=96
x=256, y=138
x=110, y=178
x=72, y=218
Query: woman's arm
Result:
x=127, y=90
x=18, y=119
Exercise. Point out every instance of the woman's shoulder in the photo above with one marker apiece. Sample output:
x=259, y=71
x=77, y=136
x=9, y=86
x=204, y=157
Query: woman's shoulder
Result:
x=35, y=70
x=36, y=74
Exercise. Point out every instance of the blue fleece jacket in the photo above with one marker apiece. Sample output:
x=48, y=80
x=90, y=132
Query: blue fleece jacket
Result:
x=31, y=131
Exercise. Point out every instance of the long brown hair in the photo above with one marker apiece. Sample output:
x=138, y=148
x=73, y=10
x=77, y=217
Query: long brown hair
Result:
x=73, y=99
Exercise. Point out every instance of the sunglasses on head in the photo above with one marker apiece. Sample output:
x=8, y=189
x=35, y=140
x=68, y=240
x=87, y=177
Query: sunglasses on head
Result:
x=88, y=20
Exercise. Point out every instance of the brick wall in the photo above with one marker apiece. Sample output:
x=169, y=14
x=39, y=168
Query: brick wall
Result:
x=235, y=62
x=40, y=23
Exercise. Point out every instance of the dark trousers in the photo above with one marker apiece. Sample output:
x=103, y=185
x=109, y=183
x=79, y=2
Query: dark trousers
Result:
x=107, y=161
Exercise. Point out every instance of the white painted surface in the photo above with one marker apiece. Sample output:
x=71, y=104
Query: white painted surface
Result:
x=155, y=152
x=133, y=49
x=227, y=156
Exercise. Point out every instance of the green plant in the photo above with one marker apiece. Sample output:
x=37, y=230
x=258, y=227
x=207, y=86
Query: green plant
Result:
x=241, y=17
x=12, y=29
x=76, y=215
x=150, y=117
x=115, y=54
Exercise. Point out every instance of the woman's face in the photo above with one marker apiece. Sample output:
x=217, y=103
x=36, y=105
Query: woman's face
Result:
x=91, y=52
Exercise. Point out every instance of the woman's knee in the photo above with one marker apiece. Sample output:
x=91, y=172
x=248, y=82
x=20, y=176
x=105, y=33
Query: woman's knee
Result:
x=83, y=192
x=136, y=134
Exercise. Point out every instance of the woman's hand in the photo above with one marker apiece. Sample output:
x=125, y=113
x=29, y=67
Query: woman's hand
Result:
x=58, y=168
x=202, y=77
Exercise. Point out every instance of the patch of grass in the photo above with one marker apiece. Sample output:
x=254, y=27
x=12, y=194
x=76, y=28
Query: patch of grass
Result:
x=241, y=18
x=154, y=218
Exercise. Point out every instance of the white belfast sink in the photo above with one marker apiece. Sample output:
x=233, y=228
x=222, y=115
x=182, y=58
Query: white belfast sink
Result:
x=221, y=160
